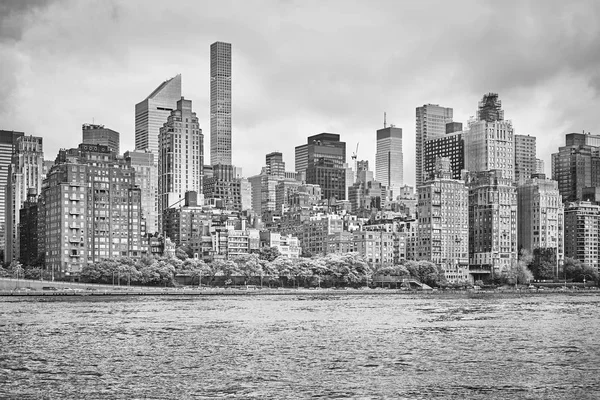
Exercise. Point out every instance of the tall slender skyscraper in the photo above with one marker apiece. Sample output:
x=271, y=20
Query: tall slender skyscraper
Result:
x=389, y=160
x=431, y=124
x=152, y=113
x=220, y=103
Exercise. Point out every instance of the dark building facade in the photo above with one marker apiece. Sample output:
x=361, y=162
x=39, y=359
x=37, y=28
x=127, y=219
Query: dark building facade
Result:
x=28, y=231
x=450, y=146
x=576, y=166
x=325, y=159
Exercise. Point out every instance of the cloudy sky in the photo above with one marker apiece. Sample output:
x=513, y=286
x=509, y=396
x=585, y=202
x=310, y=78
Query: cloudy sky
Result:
x=301, y=67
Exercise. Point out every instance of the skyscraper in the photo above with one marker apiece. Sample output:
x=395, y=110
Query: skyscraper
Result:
x=325, y=159
x=152, y=113
x=541, y=216
x=525, y=161
x=220, y=103
x=8, y=140
x=98, y=134
x=442, y=235
x=492, y=223
x=180, y=157
x=275, y=165
x=389, y=160
x=431, y=124
x=146, y=178
x=450, y=146
x=26, y=172
x=489, y=142
x=576, y=166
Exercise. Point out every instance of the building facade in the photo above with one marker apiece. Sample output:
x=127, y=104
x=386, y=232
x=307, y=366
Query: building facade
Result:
x=492, y=223
x=442, y=233
x=224, y=188
x=180, y=157
x=576, y=166
x=29, y=253
x=582, y=229
x=91, y=210
x=430, y=124
x=8, y=141
x=541, y=216
x=152, y=113
x=525, y=157
x=146, y=178
x=326, y=156
x=25, y=173
x=489, y=142
x=98, y=134
x=220, y=103
x=389, y=159
x=449, y=146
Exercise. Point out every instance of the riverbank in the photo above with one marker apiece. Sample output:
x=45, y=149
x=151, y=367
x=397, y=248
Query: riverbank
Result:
x=127, y=292
x=25, y=288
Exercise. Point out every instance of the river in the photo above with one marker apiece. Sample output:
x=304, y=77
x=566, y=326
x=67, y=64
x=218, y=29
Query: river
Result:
x=305, y=346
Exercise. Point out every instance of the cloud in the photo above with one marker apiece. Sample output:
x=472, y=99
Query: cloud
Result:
x=300, y=67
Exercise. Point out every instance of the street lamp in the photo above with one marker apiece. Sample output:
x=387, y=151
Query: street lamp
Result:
x=584, y=275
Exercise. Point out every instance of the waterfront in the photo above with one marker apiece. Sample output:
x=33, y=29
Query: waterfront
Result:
x=327, y=346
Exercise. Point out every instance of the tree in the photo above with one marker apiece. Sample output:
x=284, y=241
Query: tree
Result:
x=518, y=272
x=268, y=253
x=250, y=265
x=543, y=265
x=576, y=270
x=426, y=272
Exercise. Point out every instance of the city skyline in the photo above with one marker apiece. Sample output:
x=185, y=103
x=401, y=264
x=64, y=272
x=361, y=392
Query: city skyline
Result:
x=322, y=80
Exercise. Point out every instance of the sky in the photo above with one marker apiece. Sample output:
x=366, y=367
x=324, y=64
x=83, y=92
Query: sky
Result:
x=301, y=67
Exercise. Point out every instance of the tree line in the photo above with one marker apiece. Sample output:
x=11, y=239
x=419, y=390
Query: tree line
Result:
x=268, y=267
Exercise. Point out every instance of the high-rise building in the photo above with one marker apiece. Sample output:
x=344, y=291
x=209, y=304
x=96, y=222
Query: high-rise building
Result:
x=220, y=103
x=8, y=140
x=389, y=160
x=152, y=113
x=275, y=165
x=98, y=134
x=576, y=166
x=582, y=231
x=90, y=211
x=448, y=146
x=146, y=178
x=541, y=215
x=180, y=157
x=301, y=161
x=325, y=159
x=224, y=188
x=492, y=223
x=431, y=124
x=25, y=172
x=489, y=142
x=525, y=161
x=29, y=245
x=540, y=166
x=490, y=108
x=442, y=233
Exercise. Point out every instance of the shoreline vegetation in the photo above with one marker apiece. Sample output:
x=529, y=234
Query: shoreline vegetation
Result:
x=29, y=288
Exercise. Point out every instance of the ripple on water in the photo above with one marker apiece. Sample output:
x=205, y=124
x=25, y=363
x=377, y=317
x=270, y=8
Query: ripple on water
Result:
x=319, y=347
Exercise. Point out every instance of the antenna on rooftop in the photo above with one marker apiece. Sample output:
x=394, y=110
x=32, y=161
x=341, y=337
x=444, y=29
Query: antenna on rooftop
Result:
x=384, y=120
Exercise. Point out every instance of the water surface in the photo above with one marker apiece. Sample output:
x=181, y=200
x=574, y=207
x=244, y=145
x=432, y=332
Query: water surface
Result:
x=288, y=347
